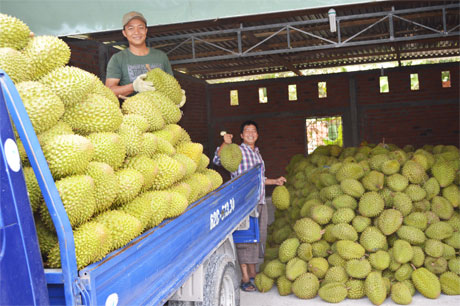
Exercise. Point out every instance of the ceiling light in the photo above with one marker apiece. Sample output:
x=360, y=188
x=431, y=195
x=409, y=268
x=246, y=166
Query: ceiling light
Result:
x=332, y=21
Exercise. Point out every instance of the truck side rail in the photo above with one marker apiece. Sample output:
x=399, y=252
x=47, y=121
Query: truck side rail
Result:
x=154, y=265
x=22, y=279
x=48, y=188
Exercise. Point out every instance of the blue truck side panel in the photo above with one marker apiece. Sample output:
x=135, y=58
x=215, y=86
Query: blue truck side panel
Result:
x=45, y=180
x=251, y=235
x=22, y=280
x=157, y=263
x=154, y=265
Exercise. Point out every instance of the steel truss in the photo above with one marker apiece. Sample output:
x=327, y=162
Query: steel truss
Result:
x=244, y=36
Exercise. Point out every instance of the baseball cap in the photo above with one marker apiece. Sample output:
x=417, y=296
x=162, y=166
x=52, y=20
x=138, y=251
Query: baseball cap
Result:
x=131, y=15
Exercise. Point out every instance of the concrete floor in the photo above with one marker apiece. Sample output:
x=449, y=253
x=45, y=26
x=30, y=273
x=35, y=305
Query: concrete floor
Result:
x=272, y=298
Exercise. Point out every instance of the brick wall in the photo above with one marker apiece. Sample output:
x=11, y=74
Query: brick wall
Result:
x=85, y=55
x=429, y=115
x=90, y=55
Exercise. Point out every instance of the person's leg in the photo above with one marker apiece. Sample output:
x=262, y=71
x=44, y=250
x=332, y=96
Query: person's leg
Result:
x=251, y=271
x=246, y=284
x=244, y=273
x=243, y=251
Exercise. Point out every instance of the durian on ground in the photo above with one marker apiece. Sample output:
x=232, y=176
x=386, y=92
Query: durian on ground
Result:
x=367, y=227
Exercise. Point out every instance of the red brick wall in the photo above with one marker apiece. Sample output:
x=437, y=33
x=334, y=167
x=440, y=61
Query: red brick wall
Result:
x=427, y=116
x=91, y=56
x=85, y=55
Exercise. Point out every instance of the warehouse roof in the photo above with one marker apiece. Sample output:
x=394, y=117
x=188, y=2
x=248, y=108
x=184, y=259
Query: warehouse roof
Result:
x=366, y=32
x=291, y=41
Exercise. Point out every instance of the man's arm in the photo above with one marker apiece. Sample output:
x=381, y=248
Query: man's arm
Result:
x=124, y=90
x=278, y=181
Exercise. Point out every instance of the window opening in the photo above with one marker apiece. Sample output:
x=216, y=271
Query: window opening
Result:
x=263, y=98
x=445, y=78
x=323, y=131
x=414, y=84
x=322, y=90
x=292, y=92
x=384, y=85
x=234, y=97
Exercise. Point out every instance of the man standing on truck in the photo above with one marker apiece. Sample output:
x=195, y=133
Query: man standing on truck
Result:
x=249, y=253
x=126, y=70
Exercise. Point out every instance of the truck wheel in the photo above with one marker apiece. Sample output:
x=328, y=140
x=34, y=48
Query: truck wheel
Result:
x=221, y=287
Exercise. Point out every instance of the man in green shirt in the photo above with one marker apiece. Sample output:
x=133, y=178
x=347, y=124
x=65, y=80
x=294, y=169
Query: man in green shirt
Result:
x=126, y=69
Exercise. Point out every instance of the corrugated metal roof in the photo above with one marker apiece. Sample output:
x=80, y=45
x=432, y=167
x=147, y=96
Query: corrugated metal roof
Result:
x=293, y=40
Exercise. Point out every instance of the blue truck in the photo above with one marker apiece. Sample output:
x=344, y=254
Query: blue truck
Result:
x=189, y=260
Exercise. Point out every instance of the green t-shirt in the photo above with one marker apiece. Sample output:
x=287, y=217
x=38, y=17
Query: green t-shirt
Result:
x=127, y=67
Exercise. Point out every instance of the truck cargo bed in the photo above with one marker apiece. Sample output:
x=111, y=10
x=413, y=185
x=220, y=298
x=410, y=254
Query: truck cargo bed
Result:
x=154, y=265
x=149, y=269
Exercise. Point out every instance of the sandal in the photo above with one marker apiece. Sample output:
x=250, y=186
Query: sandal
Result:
x=247, y=287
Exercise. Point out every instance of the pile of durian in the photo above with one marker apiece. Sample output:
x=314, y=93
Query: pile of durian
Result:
x=370, y=221
x=119, y=171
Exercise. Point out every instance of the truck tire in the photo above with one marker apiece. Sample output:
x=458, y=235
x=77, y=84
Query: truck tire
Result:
x=221, y=283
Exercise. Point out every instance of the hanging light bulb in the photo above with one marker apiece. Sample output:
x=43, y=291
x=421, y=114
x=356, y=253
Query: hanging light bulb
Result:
x=332, y=21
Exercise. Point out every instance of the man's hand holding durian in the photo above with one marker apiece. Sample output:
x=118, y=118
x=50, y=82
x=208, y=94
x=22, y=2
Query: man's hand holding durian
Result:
x=141, y=85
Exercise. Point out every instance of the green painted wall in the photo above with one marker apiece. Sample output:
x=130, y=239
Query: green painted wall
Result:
x=65, y=17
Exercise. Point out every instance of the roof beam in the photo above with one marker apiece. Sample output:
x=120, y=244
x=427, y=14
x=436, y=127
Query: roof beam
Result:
x=275, y=57
x=332, y=60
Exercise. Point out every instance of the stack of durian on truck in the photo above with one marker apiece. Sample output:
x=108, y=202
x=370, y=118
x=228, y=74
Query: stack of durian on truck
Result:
x=119, y=170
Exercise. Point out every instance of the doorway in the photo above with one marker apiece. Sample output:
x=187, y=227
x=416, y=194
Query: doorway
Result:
x=323, y=131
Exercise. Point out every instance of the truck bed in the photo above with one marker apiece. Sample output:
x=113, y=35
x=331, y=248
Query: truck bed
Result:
x=149, y=269
x=154, y=265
